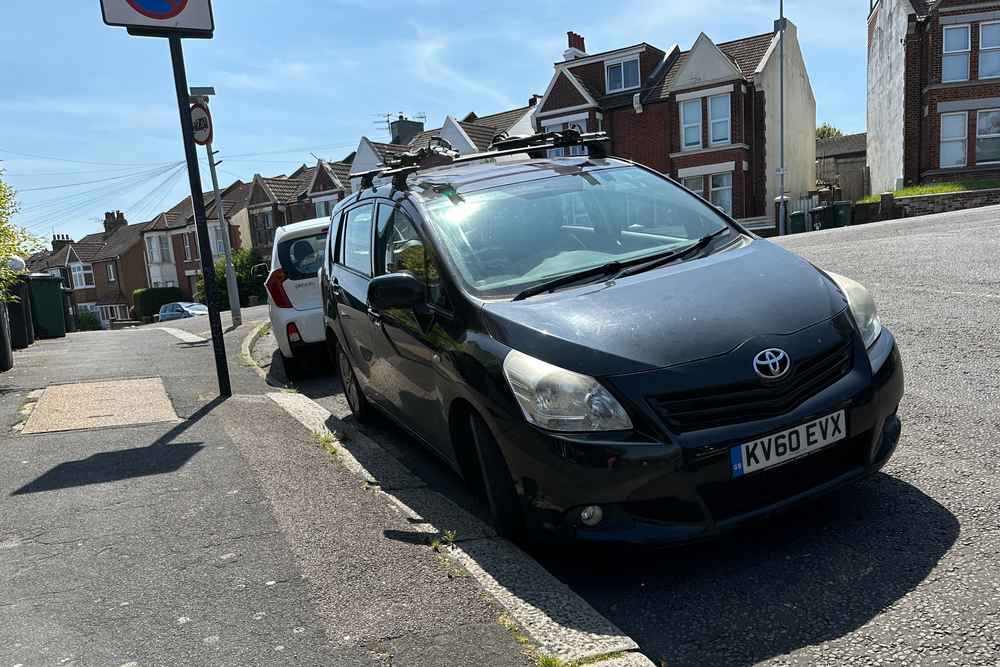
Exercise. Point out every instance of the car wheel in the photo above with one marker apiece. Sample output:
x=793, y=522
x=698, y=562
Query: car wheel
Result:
x=352, y=389
x=505, y=508
x=293, y=369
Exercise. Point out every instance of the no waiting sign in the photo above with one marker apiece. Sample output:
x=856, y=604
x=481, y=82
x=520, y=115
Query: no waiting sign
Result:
x=161, y=17
x=201, y=124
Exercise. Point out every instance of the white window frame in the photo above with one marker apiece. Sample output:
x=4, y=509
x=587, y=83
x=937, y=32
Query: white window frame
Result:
x=187, y=247
x=559, y=124
x=728, y=120
x=166, y=252
x=111, y=272
x=608, y=64
x=712, y=189
x=964, y=139
x=701, y=189
x=84, y=271
x=153, y=250
x=987, y=49
x=685, y=125
x=967, y=51
x=984, y=136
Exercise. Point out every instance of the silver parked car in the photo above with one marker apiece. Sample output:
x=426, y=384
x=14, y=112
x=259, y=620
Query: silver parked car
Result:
x=182, y=309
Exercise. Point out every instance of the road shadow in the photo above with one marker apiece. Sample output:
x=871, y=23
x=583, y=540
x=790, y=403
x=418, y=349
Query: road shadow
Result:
x=162, y=456
x=802, y=578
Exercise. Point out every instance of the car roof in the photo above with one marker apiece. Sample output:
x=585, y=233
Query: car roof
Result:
x=472, y=176
x=303, y=228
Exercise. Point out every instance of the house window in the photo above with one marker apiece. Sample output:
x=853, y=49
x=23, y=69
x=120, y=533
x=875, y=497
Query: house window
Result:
x=165, y=255
x=989, y=50
x=83, y=276
x=265, y=220
x=719, y=115
x=623, y=75
x=955, y=60
x=187, y=247
x=152, y=249
x=722, y=191
x=954, y=136
x=691, y=124
x=111, y=272
x=988, y=137
x=572, y=151
x=695, y=184
x=322, y=209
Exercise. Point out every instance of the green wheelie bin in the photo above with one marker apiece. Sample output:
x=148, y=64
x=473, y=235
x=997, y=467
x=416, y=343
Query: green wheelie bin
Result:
x=47, y=306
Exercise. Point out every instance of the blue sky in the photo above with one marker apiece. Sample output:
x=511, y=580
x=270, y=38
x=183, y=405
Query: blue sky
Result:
x=295, y=77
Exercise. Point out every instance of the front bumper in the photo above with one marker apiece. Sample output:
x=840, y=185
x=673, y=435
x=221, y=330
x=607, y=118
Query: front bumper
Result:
x=656, y=492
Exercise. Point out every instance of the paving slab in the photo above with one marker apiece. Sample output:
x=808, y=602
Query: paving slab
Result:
x=84, y=405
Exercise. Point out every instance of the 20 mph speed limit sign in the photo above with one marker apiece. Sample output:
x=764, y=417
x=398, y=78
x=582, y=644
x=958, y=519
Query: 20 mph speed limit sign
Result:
x=189, y=18
x=201, y=124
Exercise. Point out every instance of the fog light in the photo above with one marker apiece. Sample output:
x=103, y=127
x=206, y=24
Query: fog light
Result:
x=591, y=515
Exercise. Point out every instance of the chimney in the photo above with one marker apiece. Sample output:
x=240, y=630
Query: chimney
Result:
x=60, y=241
x=403, y=129
x=113, y=221
x=576, y=46
x=533, y=100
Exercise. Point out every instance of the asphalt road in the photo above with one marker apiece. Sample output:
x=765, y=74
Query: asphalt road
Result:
x=902, y=569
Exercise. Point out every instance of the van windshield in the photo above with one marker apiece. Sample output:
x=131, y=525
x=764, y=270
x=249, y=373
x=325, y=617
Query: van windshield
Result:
x=504, y=239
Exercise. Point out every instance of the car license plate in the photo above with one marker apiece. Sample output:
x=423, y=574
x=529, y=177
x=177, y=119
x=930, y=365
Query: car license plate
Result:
x=779, y=448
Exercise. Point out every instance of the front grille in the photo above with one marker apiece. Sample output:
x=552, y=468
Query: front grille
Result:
x=757, y=490
x=749, y=401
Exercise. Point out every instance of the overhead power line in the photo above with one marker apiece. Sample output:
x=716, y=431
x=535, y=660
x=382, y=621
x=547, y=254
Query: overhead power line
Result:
x=99, y=180
x=61, y=159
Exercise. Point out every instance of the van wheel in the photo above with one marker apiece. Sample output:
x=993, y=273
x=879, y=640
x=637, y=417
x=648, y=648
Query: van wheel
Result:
x=505, y=508
x=356, y=400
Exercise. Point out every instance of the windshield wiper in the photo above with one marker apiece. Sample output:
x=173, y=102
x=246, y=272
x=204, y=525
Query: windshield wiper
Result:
x=673, y=255
x=570, y=278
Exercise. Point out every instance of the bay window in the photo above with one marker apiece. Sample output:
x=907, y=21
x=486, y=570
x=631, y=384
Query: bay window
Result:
x=954, y=139
x=988, y=136
x=83, y=276
x=955, y=57
x=572, y=151
x=165, y=255
x=691, y=124
x=152, y=249
x=722, y=191
x=989, y=50
x=719, y=115
x=622, y=75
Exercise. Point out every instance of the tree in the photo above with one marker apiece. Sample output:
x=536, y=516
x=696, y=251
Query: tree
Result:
x=243, y=262
x=14, y=241
x=827, y=131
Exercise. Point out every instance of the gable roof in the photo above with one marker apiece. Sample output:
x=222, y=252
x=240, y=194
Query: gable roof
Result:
x=46, y=259
x=342, y=171
x=746, y=54
x=421, y=138
x=481, y=135
x=502, y=121
x=120, y=241
x=284, y=189
x=845, y=145
x=388, y=150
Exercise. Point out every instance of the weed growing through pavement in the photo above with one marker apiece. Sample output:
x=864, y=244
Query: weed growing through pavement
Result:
x=289, y=390
x=327, y=441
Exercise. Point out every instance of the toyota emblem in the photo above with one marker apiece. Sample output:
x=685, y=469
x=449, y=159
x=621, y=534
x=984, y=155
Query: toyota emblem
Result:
x=772, y=363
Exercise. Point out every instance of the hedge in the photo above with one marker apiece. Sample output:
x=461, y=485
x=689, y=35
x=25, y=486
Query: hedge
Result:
x=148, y=301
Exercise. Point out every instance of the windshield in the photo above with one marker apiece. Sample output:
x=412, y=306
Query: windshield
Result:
x=505, y=239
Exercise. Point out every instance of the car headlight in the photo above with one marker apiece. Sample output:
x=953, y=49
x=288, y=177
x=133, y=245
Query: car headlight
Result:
x=862, y=307
x=561, y=400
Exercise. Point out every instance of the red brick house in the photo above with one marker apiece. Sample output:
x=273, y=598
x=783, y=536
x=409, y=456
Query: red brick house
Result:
x=707, y=116
x=934, y=91
x=277, y=201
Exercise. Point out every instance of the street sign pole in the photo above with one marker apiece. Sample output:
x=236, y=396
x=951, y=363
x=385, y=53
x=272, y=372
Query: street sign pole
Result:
x=198, y=206
x=231, y=285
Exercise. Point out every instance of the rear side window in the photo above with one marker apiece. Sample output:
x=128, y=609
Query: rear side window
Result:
x=357, y=245
x=301, y=257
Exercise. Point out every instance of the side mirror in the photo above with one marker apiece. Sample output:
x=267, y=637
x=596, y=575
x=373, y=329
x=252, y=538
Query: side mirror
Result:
x=395, y=290
x=259, y=270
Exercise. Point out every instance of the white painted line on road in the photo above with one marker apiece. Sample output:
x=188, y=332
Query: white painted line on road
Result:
x=185, y=336
x=547, y=609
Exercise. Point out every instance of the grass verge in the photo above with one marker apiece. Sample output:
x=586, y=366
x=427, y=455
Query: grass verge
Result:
x=937, y=189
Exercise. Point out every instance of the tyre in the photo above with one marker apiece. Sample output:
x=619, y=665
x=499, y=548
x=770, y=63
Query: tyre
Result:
x=293, y=367
x=505, y=508
x=356, y=400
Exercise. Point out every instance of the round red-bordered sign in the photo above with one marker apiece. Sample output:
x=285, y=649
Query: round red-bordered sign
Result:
x=158, y=9
x=201, y=124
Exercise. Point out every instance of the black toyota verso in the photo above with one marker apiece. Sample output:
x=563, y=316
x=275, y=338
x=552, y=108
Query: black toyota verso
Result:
x=604, y=354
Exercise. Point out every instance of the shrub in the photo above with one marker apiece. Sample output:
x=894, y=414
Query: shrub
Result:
x=149, y=300
x=89, y=321
x=243, y=262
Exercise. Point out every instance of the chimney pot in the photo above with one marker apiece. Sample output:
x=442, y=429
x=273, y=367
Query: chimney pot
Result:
x=576, y=48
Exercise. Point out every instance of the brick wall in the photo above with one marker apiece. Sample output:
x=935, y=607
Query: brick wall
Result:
x=957, y=201
x=913, y=84
x=563, y=94
x=641, y=137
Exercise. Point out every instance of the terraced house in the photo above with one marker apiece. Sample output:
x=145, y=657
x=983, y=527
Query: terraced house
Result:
x=933, y=91
x=708, y=116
